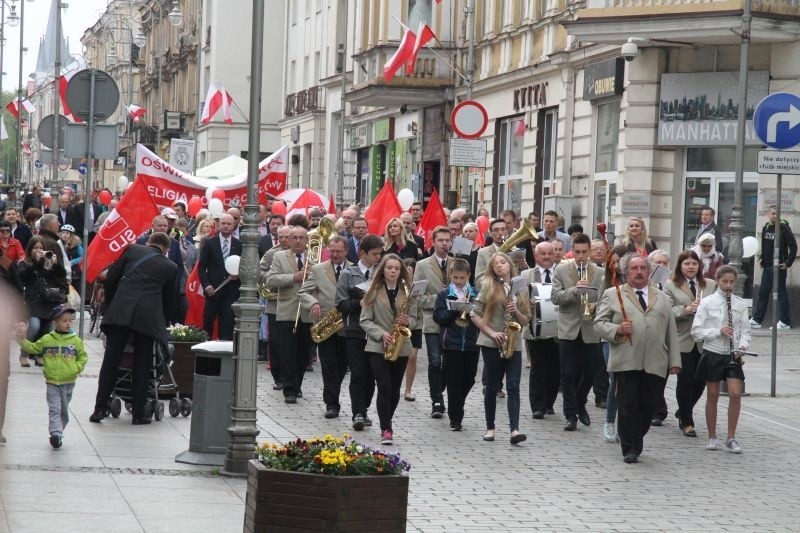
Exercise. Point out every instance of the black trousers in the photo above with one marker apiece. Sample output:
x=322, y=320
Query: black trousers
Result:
x=600, y=386
x=333, y=360
x=545, y=376
x=362, y=380
x=116, y=339
x=388, y=379
x=689, y=389
x=295, y=349
x=274, y=349
x=579, y=362
x=220, y=307
x=460, y=369
x=637, y=397
x=661, y=406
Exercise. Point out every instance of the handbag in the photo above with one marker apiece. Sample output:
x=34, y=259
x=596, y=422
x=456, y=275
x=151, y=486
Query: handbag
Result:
x=74, y=298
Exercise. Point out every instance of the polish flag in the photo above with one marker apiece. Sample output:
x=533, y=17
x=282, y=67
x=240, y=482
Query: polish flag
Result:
x=135, y=112
x=27, y=105
x=215, y=99
x=401, y=56
x=3, y=130
x=424, y=34
x=63, y=81
x=26, y=147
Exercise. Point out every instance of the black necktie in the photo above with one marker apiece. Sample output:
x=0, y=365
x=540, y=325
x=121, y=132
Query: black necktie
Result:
x=641, y=300
x=366, y=274
x=299, y=261
x=338, y=271
x=693, y=289
x=443, y=266
x=547, y=278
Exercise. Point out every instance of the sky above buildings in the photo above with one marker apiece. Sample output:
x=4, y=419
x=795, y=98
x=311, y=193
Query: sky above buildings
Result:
x=75, y=19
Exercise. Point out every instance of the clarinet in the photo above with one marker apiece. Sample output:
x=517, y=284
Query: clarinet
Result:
x=735, y=357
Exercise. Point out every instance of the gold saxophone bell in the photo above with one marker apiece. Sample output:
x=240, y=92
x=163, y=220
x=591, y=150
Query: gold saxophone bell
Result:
x=327, y=326
x=400, y=333
x=511, y=331
x=317, y=238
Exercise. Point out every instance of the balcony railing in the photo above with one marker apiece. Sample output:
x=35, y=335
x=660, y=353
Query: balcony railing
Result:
x=310, y=99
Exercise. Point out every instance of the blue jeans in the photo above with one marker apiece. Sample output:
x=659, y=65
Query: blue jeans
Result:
x=496, y=368
x=58, y=398
x=611, y=399
x=433, y=343
x=765, y=296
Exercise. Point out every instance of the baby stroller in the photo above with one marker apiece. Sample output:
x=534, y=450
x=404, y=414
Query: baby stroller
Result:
x=160, y=382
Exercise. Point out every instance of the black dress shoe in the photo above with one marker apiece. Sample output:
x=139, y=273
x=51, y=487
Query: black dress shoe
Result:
x=290, y=399
x=583, y=416
x=572, y=424
x=657, y=421
x=538, y=414
x=549, y=411
x=519, y=437
x=141, y=421
x=277, y=386
x=331, y=412
x=631, y=458
x=97, y=416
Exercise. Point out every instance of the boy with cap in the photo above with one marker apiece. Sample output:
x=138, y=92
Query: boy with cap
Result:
x=64, y=358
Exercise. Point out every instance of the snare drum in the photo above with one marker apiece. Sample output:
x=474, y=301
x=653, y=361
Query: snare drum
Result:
x=546, y=312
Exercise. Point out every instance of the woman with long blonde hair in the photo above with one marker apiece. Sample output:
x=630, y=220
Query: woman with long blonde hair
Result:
x=636, y=238
x=205, y=228
x=396, y=241
x=381, y=308
x=492, y=308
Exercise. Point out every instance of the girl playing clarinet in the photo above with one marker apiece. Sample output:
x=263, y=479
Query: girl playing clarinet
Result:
x=494, y=307
x=384, y=306
x=722, y=324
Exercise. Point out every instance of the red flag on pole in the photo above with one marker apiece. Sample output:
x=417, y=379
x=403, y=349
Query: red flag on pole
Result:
x=424, y=34
x=382, y=209
x=196, y=300
x=432, y=217
x=132, y=216
x=331, y=205
x=401, y=56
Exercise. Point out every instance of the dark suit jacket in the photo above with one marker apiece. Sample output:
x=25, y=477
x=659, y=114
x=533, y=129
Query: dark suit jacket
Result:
x=352, y=255
x=71, y=218
x=142, y=298
x=32, y=201
x=211, y=266
x=80, y=213
x=264, y=244
x=713, y=228
x=174, y=253
x=23, y=234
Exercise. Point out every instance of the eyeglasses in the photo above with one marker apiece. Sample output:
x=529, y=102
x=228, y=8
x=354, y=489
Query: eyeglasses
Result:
x=5, y=230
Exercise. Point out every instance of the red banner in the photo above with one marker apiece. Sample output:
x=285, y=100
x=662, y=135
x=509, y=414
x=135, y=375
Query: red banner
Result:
x=167, y=185
x=432, y=217
x=196, y=300
x=132, y=216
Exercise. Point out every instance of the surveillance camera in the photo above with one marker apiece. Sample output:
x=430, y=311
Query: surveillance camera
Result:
x=629, y=51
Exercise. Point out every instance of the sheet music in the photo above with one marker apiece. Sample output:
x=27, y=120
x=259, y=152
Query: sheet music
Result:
x=418, y=288
x=462, y=246
x=363, y=286
x=458, y=305
x=660, y=274
x=519, y=284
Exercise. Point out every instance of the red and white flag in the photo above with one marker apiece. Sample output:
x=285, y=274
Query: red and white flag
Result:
x=401, y=56
x=132, y=216
x=424, y=35
x=26, y=147
x=196, y=300
x=432, y=217
x=216, y=99
x=27, y=105
x=63, y=81
x=135, y=112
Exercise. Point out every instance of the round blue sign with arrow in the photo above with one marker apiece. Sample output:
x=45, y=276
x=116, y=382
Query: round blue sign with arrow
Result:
x=776, y=120
x=82, y=169
x=37, y=163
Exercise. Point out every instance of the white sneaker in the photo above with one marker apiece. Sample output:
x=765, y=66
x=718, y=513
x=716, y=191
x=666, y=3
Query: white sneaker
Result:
x=732, y=446
x=713, y=444
x=781, y=325
x=754, y=324
x=609, y=432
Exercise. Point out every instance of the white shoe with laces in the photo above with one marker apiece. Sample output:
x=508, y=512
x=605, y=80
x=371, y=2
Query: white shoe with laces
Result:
x=781, y=325
x=732, y=446
x=754, y=324
x=713, y=444
x=609, y=432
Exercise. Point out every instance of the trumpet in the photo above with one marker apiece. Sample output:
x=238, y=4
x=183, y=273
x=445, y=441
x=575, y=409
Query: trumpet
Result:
x=583, y=275
x=463, y=319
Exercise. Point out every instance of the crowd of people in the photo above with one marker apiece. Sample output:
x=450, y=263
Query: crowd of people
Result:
x=589, y=315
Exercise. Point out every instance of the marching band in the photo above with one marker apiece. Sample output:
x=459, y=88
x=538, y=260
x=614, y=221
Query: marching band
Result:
x=360, y=302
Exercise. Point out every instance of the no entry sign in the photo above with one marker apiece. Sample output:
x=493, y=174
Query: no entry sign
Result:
x=469, y=119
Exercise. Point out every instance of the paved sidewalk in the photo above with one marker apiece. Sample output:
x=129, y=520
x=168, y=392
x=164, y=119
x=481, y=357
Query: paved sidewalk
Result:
x=118, y=477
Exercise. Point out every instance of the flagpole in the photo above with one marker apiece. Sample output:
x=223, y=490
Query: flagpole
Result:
x=434, y=52
x=56, y=74
x=19, y=91
x=469, y=10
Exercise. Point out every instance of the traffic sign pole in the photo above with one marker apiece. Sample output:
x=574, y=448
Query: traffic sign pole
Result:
x=776, y=271
x=87, y=187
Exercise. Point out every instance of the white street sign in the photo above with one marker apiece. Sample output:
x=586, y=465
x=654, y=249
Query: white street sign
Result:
x=468, y=152
x=778, y=162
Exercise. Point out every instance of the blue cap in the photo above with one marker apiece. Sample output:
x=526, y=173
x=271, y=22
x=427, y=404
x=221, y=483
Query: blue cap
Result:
x=60, y=310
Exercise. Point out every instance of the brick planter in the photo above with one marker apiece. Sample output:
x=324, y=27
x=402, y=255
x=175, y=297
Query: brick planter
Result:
x=183, y=367
x=293, y=501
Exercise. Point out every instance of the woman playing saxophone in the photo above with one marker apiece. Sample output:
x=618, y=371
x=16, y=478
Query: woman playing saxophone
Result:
x=382, y=318
x=494, y=304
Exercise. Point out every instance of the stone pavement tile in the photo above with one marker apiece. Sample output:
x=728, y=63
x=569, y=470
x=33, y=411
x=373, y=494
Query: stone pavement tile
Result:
x=170, y=482
x=178, y=511
x=187, y=494
x=48, y=522
x=57, y=498
x=231, y=520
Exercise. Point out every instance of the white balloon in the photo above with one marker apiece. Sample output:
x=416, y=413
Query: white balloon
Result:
x=215, y=206
x=122, y=183
x=232, y=265
x=749, y=247
x=405, y=198
x=210, y=193
x=129, y=186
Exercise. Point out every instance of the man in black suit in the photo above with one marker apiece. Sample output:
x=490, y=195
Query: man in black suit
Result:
x=65, y=212
x=140, y=293
x=707, y=225
x=95, y=209
x=270, y=239
x=161, y=225
x=211, y=269
x=359, y=230
x=33, y=199
x=19, y=230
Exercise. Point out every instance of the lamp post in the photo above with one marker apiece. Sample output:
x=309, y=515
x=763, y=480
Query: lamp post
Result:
x=13, y=19
x=175, y=17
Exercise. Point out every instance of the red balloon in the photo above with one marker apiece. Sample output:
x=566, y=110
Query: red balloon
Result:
x=104, y=197
x=278, y=208
x=483, y=223
x=220, y=194
x=195, y=205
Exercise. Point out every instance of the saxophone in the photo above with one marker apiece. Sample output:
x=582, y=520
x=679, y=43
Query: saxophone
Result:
x=328, y=325
x=511, y=331
x=400, y=333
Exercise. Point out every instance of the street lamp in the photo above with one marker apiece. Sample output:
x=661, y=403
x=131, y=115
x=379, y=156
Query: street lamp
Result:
x=13, y=18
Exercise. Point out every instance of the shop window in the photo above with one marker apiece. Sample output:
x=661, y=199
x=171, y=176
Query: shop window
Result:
x=607, y=137
x=512, y=134
x=719, y=159
x=549, y=143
